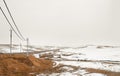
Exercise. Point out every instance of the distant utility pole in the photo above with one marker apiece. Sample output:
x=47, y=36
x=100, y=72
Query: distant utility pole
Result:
x=10, y=41
x=20, y=47
x=27, y=46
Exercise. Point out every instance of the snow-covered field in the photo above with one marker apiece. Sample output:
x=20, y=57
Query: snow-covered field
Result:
x=97, y=57
x=93, y=57
x=15, y=49
x=93, y=53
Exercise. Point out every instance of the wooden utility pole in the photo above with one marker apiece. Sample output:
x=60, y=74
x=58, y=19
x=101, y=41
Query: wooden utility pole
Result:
x=20, y=47
x=27, y=46
x=10, y=41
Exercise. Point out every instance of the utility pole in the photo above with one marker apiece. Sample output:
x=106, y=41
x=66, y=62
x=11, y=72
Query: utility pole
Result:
x=27, y=46
x=10, y=41
x=20, y=47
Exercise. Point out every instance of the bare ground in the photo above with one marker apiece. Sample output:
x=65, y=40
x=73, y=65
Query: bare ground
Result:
x=108, y=73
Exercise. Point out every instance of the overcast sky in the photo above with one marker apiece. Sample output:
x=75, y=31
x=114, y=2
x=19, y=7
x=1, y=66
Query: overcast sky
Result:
x=64, y=22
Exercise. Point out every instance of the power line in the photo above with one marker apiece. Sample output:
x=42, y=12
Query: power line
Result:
x=10, y=24
x=13, y=19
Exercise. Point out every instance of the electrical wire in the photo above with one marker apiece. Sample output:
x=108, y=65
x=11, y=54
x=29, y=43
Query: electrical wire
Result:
x=10, y=24
x=13, y=20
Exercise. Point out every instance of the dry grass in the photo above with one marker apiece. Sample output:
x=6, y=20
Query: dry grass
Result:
x=22, y=65
x=108, y=73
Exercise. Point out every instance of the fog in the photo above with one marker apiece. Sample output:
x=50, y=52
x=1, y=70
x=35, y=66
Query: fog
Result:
x=64, y=22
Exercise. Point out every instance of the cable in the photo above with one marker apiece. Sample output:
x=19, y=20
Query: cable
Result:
x=10, y=23
x=13, y=19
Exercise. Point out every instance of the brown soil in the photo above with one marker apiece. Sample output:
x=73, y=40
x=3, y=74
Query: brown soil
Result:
x=108, y=73
x=22, y=65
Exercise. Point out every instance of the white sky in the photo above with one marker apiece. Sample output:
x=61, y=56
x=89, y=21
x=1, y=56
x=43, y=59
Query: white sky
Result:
x=64, y=22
